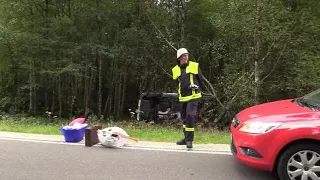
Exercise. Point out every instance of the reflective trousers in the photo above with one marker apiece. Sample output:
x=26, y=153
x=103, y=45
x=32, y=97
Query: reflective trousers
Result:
x=188, y=117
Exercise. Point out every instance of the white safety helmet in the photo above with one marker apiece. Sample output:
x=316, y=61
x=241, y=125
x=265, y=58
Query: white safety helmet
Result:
x=181, y=51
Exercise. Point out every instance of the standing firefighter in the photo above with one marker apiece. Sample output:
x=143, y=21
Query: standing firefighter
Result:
x=189, y=78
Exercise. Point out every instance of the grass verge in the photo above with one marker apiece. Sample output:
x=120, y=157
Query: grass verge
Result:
x=139, y=130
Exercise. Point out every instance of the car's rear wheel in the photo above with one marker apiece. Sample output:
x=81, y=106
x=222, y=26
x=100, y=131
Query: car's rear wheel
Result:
x=300, y=162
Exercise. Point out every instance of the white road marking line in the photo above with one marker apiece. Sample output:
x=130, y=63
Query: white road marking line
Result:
x=179, y=150
x=40, y=141
x=124, y=147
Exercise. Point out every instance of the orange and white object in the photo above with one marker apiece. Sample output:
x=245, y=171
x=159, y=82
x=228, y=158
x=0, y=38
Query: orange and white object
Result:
x=114, y=137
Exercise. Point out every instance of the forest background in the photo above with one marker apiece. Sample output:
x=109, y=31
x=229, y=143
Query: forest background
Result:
x=63, y=56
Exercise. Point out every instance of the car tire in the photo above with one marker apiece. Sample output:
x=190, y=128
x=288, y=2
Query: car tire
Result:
x=296, y=153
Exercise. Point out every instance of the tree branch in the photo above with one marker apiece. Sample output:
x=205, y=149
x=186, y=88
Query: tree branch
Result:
x=230, y=103
x=160, y=66
x=160, y=32
x=273, y=68
x=213, y=92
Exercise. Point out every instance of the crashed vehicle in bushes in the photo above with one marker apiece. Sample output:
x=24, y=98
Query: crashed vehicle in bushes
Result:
x=159, y=107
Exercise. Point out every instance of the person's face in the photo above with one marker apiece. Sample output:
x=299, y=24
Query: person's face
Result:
x=184, y=58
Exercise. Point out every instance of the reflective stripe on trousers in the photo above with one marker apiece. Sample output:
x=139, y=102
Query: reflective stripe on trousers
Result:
x=188, y=117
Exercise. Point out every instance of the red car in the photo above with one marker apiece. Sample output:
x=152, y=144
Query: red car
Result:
x=282, y=137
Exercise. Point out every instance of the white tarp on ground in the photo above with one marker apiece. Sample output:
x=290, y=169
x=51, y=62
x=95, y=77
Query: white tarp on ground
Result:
x=108, y=137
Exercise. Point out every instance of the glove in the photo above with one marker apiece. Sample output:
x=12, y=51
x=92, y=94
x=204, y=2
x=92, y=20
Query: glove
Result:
x=194, y=86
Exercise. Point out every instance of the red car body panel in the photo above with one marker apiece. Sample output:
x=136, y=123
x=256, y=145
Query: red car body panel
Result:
x=297, y=123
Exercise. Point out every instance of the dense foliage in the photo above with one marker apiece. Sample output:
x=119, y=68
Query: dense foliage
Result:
x=65, y=55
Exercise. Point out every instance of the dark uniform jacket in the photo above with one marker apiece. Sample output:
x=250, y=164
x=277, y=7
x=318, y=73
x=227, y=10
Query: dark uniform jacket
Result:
x=187, y=75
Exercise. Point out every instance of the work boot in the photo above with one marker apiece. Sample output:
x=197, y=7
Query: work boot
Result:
x=189, y=145
x=181, y=142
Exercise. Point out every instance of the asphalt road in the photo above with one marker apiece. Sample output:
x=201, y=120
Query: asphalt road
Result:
x=40, y=161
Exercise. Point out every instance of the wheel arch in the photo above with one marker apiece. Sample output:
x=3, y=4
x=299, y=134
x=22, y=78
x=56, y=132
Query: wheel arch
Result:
x=292, y=143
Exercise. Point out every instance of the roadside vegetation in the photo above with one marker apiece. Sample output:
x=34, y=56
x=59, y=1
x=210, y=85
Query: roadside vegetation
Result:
x=140, y=130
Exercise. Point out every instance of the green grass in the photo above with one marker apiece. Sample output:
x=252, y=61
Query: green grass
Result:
x=139, y=130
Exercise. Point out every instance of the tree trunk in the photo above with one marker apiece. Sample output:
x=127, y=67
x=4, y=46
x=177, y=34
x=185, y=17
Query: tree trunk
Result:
x=46, y=103
x=86, y=86
x=46, y=25
x=124, y=88
x=99, y=59
x=73, y=94
x=13, y=71
x=30, y=90
x=100, y=87
x=116, y=91
x=182, y=16
x=111, y=97
x=34, y=91
x=119, y=97
x=53, y=95
x=91, y=82
x=108, y=104
x=60, y=95
x=69, y=8
x=257, y=55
